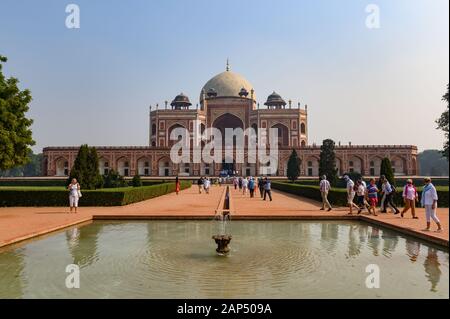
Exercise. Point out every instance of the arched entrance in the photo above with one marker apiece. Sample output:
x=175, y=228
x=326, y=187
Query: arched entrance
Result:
x=223, y=122
x=227, y=120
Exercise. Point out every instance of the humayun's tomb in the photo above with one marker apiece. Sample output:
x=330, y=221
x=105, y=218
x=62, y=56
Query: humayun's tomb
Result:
x=229, y=101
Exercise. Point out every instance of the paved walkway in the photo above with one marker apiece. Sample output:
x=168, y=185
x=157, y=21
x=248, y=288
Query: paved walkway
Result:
x=19, y=223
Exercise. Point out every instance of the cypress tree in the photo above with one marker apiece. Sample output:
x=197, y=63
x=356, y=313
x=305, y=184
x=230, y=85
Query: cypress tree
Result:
x=386, y=170
x=293, y=166
x=85, y=168
x=327, y=161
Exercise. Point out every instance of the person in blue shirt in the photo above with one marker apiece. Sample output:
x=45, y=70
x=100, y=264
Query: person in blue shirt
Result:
x=267, y=189
x=251, y=186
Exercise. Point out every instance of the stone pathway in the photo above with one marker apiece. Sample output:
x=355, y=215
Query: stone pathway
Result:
x=19, y=223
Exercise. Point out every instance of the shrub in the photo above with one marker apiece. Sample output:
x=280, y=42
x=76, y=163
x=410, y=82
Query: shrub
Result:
x=113, y=180
x=136, y=182
x=58, y=196
x=338, y=196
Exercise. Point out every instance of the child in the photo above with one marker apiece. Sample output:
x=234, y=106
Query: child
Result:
x=372, y=194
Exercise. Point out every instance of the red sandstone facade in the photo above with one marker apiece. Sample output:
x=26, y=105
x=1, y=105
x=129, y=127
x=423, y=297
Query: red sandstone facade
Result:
x=229, y=101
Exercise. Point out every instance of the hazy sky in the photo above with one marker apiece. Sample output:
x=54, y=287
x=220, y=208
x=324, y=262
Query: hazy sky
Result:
x=94, y=84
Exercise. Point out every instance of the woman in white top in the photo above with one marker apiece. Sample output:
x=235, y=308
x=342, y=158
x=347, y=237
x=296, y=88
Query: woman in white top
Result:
x=206, y=185
x=74, y=194
x=429, y=201
x=244, y=185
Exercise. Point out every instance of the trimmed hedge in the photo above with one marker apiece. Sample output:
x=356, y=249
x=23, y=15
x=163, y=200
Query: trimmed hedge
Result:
x=398, y=181
x=34, y=182
x=58, y=196
x=338, y=196
x=59, y=182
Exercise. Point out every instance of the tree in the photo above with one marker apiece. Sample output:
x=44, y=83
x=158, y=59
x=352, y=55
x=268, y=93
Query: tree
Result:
x=432, y=163
x=136, y=182
x=85, y=168
x=113, y=180
x=442, y=123
x=15, y=133
x=327, y=161
x=32, y=168
x=94, y=178
x=293, y=166
x=386, y=170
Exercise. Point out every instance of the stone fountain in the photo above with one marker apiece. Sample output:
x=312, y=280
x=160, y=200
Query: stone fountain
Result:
x=223, y=214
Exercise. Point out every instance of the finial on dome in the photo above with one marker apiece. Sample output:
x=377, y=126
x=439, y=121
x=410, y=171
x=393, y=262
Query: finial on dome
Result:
x=228, y=65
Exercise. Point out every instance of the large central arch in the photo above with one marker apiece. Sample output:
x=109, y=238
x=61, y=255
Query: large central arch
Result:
x=227, y=120
x=221, y=123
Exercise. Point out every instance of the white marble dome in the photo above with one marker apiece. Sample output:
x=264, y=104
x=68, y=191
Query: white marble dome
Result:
x=228, y=84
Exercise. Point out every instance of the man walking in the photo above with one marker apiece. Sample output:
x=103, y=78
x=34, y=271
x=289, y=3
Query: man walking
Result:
x=388, y=190
x=324, y=189
x=350, y=194
x=251, y=186
x=200, y=184
x=267, y=189
x=261, y=186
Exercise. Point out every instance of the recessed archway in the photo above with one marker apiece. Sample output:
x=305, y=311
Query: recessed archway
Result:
x=62, y=167
x=228, y=121
x=144, y=166
x=164, y=167
x=283, y=134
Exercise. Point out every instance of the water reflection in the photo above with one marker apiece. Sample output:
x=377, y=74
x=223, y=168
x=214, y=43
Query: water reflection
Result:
x=431, y=264
x=390, y=241
x=329, y=236
x=177, y=259
x=11, y=269
x=374, y=240
x=354, y=243
x=412, y=249
x=82, y=244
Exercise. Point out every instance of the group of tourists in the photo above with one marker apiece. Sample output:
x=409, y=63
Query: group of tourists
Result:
x=251, y=185
x=367, y=197
x=204, y=184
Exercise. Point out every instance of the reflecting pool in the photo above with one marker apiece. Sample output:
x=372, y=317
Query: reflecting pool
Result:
x=268, y=259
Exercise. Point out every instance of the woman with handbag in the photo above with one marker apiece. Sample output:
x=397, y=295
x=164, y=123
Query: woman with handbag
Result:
x=74, y=194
